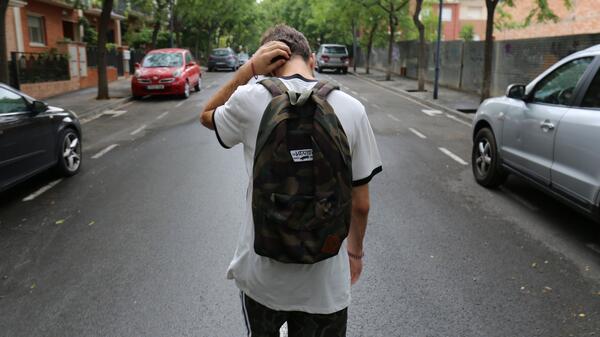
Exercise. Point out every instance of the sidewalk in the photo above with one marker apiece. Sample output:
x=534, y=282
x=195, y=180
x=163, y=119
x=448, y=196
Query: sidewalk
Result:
x=449, y=100
x=84, y=101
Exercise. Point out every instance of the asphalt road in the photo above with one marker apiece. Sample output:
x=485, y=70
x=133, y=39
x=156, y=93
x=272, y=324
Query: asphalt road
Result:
x=138, y=243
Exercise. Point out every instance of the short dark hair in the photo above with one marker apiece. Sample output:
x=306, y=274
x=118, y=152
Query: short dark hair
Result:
x=294, y=39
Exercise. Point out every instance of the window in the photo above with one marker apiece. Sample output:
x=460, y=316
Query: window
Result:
x=188, y=58
x=592, y=96
x=474, y=13
x=11, y=102
x=162, y=60
x=446, y=14
x=335, y=50
x=37, y=33
x=559, y=86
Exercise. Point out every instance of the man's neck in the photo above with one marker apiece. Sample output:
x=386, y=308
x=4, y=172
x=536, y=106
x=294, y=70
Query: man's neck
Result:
x=296, y=65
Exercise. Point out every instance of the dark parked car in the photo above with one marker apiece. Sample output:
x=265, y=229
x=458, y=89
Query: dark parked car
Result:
x=35, y=137
x=222, y=58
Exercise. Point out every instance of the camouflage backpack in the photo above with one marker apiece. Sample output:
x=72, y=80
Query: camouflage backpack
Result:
x=302, y=177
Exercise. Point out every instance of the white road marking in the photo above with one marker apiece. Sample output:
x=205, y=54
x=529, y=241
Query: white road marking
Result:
x=127, y=104
x=376, y=106
x=364, y=99
x=431, y=113
x=41, y=190
x=103, y=152
x=420, y=135
x=138, y=130
x=283, y=332
x=162, y=115
x=453, y=156
x=87, y=120
x=394, y=118
x=179, y=104
x=114, y=113
x=454, y=118
x=354, y=92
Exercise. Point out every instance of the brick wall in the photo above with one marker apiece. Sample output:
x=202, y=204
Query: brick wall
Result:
x=92, y=77
x=48, y=89
x=583, y=18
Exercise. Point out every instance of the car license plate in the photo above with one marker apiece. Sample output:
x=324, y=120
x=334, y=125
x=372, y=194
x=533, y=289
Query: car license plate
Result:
x=155, y=87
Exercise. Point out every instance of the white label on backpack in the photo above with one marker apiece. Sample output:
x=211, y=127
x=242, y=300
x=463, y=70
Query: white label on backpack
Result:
x=302, y=155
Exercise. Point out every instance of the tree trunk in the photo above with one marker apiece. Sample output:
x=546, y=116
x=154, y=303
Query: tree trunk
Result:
x=422, y=57
x=370, y=46
x=4, y=74
x=155, y=31
x=388, y=74
x=107, y=6
x=489, y=49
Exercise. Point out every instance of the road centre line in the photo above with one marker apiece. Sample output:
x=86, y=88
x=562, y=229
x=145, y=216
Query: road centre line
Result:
x=138, y=130
x=103, y=152
x=431, y=113
x=364, y=99
x=354, y=92
x=456, y=119
x=179, y=104
x=162, y=115
x=394, y=118
x=376, y=106
x=420, y=135
x=453, y=156
x=41, y=190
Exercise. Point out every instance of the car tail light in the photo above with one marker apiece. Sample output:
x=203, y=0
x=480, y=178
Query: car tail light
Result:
x=325, y=58
x=344, y=58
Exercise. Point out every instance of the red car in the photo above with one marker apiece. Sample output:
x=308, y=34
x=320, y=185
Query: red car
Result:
x=169, y=71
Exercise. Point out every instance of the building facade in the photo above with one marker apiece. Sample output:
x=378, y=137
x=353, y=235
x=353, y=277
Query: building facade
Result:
x=582, y=18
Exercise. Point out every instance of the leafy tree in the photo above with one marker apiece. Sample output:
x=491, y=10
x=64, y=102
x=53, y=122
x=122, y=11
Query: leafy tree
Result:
x=541, y=12
x=4, y=77
x=373, y=20
x=467, y=32
x=422, y=60
x=392, y=9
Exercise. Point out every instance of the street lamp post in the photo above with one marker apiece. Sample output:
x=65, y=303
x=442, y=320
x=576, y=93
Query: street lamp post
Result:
x=437, y=53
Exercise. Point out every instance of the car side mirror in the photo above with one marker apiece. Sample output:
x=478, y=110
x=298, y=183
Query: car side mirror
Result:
x=191, y=64
x=39, y=106
x=516, y=91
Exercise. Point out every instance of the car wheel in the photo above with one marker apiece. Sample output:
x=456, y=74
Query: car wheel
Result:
x=197, y=86
x=209, y=69
x=487, y=168
x=345, y=71
x=319, y=70
x=186, y=90
x=69, y=155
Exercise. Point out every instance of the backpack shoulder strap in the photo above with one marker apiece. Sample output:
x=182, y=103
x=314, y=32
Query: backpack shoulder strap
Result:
x=323, y=88
x=274, y=86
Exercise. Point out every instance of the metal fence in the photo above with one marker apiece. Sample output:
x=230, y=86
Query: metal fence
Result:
x=38, y=67
x=114, y=58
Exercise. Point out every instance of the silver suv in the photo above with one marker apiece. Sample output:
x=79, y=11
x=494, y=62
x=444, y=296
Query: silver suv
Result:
x=547, y=132
x=332, y=56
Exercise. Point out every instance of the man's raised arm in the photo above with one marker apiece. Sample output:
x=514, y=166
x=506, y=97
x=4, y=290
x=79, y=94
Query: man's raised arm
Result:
x=259, y=64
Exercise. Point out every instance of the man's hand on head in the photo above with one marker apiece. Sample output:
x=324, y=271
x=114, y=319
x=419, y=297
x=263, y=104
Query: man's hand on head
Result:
x=262, y=60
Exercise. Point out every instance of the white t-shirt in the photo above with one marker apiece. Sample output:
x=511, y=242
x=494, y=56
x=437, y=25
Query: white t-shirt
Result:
x=323, y=287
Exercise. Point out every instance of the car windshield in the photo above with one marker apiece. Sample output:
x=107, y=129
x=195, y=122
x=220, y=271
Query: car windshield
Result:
x=335, y=50
x=220, y=52
x=243, y=56
x=163, y=60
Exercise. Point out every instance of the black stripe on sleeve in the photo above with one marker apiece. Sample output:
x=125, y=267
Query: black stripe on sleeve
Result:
x=367, y=179
x=217, y=132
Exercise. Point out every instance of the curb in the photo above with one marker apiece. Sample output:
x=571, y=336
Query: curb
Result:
x=419, y=99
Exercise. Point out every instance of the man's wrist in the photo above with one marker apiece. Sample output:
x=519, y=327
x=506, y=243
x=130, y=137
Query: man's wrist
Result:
x=245, y=72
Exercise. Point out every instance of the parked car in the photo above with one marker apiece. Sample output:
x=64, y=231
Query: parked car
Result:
x=35, y=137
x=242, y=58
x=222, y=58
x=170, y=71
x=547, y=132
x=332, y=56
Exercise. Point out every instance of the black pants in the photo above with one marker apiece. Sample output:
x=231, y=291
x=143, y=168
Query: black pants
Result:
x=264, y=322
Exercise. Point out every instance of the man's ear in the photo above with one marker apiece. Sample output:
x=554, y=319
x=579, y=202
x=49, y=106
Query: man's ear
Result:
x=311, y=61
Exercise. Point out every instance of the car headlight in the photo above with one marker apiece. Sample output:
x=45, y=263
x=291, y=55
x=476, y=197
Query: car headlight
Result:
x=136, y=74
x=177, y=73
